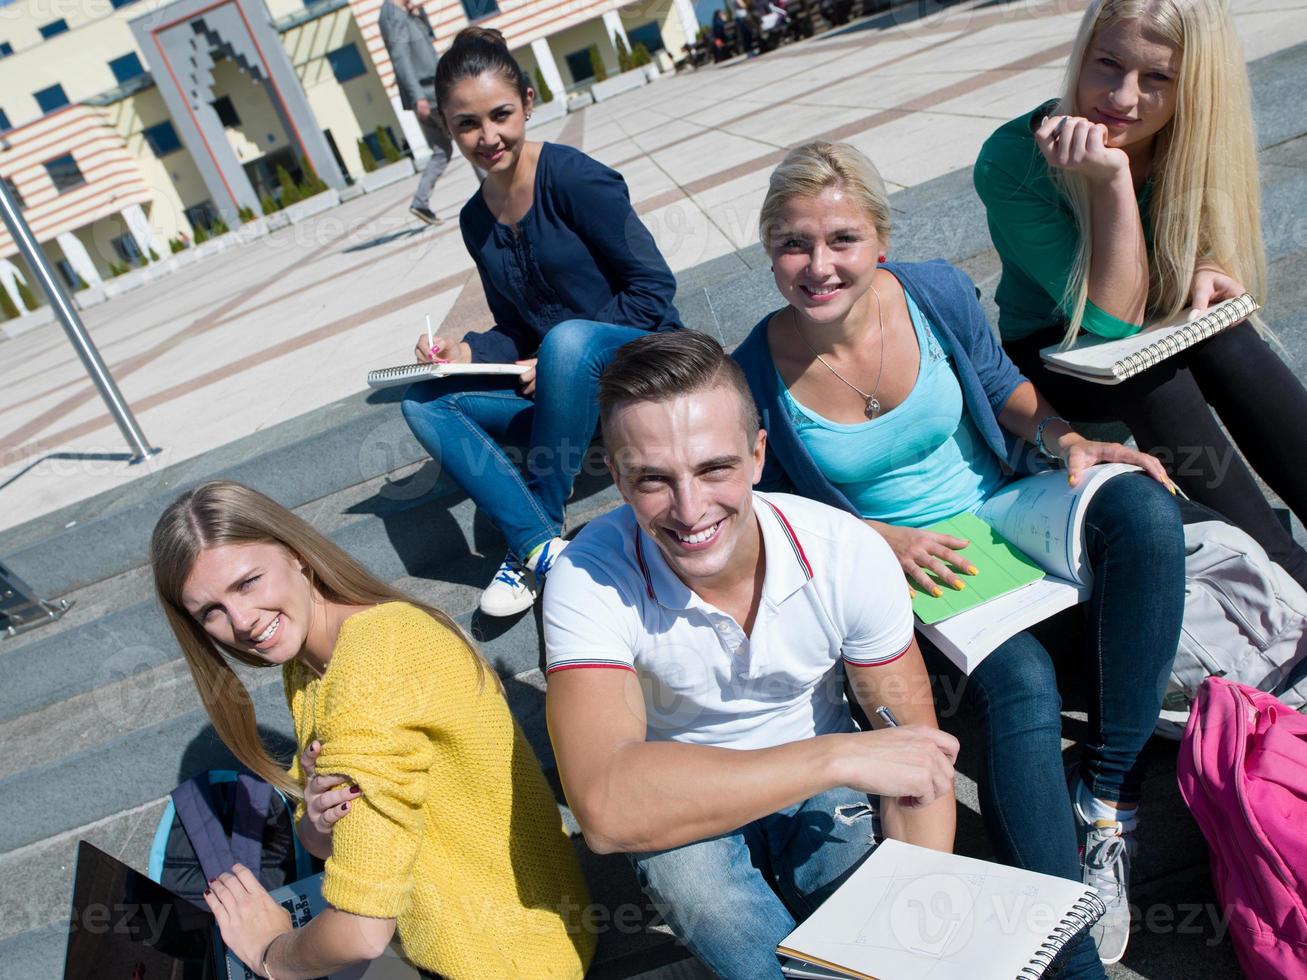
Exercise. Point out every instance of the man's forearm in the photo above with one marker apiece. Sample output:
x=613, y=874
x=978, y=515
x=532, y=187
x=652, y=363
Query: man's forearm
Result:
x=665, y=794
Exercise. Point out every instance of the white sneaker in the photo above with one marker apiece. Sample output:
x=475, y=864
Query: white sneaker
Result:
x=1106, y=849
x=544, y=559
x=511, y=591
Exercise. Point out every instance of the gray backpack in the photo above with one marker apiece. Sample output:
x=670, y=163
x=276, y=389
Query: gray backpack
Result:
x=1245, y=619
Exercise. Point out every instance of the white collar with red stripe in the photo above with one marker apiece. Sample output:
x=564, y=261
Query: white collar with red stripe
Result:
x=788, y=567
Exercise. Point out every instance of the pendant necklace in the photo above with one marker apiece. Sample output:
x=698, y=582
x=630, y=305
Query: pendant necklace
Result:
x=872, y=408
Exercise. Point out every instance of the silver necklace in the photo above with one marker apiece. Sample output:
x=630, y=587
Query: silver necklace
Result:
x=872, y=408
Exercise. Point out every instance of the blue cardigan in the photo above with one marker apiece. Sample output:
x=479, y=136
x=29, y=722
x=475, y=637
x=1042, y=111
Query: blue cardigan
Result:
x=581, y=253
x=987, y=377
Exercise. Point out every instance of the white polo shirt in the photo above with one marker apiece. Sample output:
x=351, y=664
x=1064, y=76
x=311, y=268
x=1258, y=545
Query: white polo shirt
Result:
x=832, y=588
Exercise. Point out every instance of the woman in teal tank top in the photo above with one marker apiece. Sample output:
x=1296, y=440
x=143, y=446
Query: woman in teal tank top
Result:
x=884, y=391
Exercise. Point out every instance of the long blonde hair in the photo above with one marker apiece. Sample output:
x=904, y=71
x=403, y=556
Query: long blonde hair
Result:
x=224, y=513
x=809, y=169
x=1206, y=200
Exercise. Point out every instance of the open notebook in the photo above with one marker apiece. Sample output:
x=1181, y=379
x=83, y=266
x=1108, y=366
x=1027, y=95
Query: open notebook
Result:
x=1110, y=362
x=910, y=913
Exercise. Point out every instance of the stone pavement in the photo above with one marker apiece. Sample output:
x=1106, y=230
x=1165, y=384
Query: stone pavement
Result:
x=98, y=716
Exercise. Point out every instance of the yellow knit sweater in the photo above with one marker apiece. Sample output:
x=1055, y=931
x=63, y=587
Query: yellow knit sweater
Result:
x=456, y=833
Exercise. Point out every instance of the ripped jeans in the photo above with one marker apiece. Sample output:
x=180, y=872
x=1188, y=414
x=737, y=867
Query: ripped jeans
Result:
x=732, y=898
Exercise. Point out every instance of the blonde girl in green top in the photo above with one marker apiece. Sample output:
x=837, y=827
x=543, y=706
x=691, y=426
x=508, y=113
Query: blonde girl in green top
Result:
x=1132, y=197
x=419, y=790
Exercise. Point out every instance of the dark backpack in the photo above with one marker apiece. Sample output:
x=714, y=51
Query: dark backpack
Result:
x=220, y=818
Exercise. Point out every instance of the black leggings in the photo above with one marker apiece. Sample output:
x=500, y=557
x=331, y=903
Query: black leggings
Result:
x=1261, y=402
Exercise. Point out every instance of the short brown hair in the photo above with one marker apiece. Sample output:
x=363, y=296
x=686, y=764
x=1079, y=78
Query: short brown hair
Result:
x=661, y=366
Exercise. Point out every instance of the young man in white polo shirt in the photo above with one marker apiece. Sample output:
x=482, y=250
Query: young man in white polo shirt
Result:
x=694, y=640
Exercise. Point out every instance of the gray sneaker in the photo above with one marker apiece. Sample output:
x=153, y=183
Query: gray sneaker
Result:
x=1105, y=855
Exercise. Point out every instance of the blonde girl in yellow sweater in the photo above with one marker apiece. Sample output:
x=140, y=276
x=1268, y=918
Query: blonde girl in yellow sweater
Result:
x=417, y=787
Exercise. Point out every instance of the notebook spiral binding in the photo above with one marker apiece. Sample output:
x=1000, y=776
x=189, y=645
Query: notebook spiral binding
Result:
x=1205, y=326
x=1083, y=914
x=405, y=372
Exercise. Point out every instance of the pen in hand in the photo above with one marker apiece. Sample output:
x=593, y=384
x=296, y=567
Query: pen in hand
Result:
x=887, y=716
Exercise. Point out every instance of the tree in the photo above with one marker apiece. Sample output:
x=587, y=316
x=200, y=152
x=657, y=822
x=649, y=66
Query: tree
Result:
x=7, y=305
x=640, y=55
x=25, y=294
x=543, y=92
x=365, y=156
x=388, y=148
x=313, y=184
x=597, y=64
x=624, y=62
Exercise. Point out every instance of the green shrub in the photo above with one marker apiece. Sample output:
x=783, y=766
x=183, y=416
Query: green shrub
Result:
x=543, y=92
x=624, y=62
x=597, y=64
x=219, y=227
x=290, y=191
x=365, y=156
x=25, y=294
x=245, y=213
x=7, y=305
x=116, y=269
x=154, y=256
x=313, y=184
x=201, y=236
x=268, y=204
x=640, y=55
x=388, y=148
x=176, y=245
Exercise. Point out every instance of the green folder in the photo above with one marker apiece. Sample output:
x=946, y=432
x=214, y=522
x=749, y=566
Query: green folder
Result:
x=1001, y=568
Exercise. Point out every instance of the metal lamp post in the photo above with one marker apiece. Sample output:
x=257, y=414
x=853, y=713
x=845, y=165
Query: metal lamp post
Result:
x=72, y=324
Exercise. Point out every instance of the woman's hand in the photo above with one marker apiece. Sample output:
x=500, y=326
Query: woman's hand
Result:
x=1080, y=453
x=326, y=798
x=1075, y=144
x=1210, y=285
x=442, y=350
x=246, y=914
x=920, y=552
x=528, y=383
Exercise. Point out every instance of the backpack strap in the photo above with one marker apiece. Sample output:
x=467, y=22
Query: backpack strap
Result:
x=253, y=800
x=194, y=802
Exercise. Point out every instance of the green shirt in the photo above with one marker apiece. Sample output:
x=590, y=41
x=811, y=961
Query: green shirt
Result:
x=1036, y=235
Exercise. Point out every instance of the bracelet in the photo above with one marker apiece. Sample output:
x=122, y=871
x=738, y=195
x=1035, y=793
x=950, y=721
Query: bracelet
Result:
x=263, y=961
x=1052, y=458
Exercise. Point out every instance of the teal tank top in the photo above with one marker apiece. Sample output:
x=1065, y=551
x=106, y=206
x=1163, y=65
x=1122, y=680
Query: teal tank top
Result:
x=919, y=463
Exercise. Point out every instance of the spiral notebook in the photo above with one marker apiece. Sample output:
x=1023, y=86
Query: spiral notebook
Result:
x=407, y=374
x=1110, y=362
x=910, y=913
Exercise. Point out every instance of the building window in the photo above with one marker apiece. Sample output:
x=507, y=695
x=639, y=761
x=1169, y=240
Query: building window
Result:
x=6, y=49
x=203, y=215
x=480, y=9
x=127, y=249
x=120, y=3
x=64, y=173
x=5, y=125
x=226, y=112
x=54, y=27
x=50, y=99
x=126, y=68
x=346, y=63
x=162, y=138
x=647, y=34
x=578, y=63
x=13, y=189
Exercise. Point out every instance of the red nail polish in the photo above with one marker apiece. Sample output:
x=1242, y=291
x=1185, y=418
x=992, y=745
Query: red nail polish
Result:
x=354, y=790
x=208, y=891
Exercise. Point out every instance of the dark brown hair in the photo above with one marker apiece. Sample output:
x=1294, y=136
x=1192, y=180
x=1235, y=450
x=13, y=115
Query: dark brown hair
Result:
x=661, y=366
x=475, y=51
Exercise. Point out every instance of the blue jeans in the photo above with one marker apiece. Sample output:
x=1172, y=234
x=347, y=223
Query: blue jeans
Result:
x=1135, y=546
x=732, y=898
x=462, y=423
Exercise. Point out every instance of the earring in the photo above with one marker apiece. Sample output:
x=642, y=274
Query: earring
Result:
x=881, y=257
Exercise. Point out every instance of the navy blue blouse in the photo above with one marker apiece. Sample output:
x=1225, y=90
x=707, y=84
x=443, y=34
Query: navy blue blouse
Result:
x=580, y=253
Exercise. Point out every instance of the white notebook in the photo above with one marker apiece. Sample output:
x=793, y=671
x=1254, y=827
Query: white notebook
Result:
x=1110, y=362
x=910, y=913
x=407, y=374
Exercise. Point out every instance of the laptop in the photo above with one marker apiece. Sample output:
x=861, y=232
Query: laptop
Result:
x=125, y=926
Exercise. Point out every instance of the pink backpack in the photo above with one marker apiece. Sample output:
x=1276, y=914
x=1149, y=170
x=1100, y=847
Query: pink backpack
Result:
x=1243, y=771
